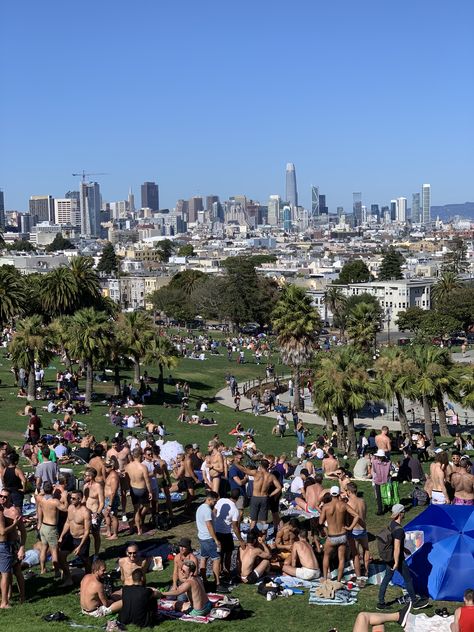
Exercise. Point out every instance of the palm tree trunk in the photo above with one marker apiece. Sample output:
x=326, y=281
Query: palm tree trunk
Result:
x=427, y=418
x=31, y=384
x=296, y=381
x=116, y=380
x=402, y=414
x=341, y=433
x=161, y=383
x=329, y=425
x=136, y=370
x=89, y=379
x=443, y=426
x=351, y=434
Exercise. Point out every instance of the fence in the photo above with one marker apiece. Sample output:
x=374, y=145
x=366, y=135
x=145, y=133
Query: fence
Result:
x=258, y=382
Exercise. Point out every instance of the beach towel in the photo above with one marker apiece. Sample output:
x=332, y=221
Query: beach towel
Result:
x=321, y=594
x=423, y=623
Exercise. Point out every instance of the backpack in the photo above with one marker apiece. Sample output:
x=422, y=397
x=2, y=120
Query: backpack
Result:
x=420, y=497
x=385, y=544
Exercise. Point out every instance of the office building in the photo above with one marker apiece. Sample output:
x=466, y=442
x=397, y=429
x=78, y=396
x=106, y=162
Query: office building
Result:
x=25, y=223
x=90, y=204
x=426, y=204
x=150, y=196
x=393, y=210
x=286, y=215
x=131, y=201
x=210, y=200
x=291, y=190
x=401, y=209
x=42, y=208
x=273, y=217
x=194, y=206
x=357, y=208
x=66, y=211
x=323, y=209
x=415, y=208
x=374, y=212
x=314, y=204
x=340, y=212
x=2, y=211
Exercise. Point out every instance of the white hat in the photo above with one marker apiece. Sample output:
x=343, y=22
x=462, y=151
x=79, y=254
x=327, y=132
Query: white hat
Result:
x=380, y=453
x=397, y=510
x=335, y=491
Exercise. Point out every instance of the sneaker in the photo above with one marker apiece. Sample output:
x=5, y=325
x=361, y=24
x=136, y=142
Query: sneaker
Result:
x=124, y=519
x=403, y=614
x=381, y=606
x=420, y=603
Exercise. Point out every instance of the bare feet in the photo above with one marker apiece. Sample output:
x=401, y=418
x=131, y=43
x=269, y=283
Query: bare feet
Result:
x=111, y=537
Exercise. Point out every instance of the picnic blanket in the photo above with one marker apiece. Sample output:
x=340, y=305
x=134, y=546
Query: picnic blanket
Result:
x=296, y=512
x=166, y=609
x=342, y=596
x=423, y=623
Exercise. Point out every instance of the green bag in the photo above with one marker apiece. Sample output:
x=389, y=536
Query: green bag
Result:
x=389, y=493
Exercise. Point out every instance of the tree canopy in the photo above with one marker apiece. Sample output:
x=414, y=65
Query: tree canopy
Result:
x=59, y=243
x=355, y=271
x=108, y=262
x=391, y=266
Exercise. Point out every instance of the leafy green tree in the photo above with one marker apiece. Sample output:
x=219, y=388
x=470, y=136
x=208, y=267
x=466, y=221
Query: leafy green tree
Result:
x=21, y=245
x=445, y=286
x=11, y=294
x=174, y=302
x=297, y=325
x=165, y=249
x=411, y=319
x=162, y=351
x=88, y=339
x=59, y=243
x=355, y=271
x=108, y=262
x=137, y=332
x=32, y=342
x=186, y=250
x=455, y=260
x=363, y=322
x=59, y=293
x=207, y=298
x=460, y=304
x=391, y=266
x=436, y=324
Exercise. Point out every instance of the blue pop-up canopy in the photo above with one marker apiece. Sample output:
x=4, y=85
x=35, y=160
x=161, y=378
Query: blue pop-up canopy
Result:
x=443, y=566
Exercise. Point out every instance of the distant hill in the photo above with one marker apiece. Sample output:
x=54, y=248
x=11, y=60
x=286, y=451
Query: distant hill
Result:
x=448, y=211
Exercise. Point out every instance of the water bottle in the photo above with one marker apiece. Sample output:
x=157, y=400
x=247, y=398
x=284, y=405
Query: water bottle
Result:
x=271, y=596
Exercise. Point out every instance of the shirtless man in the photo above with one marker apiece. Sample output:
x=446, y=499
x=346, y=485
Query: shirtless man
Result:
x=382, y=441
x=151, y=465
x=439, y=471
x=463, y=484
x=140, y=488
x=131, y=562
x=75, y=536
x=217, y=466
x=17, y=538
x=190, y=477
x=198, y=604
x=97, y=462
x=94, y=603
x=330, y=464
x=335, y=514
x=358, y=535
x=286, y=535
x=254, y=559
x=455, y=461
x=185, y=554
x=6, y=526
x=304, y=564
x=94, y=497
x=111, y=497
x=262, y=482
x=121, y=452
x=313, y=494
x=47, y=512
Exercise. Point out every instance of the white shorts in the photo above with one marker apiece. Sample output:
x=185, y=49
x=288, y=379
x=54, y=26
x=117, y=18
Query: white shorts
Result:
x=101, y=611
x=308, y=573
x=438, y=498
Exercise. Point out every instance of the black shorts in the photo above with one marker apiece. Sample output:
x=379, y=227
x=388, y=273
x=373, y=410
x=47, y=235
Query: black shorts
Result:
x=274, y=503
x=139, y=496
x=259, y=508
x=84, y=550
x=227, y=542
x=190, y=483
x=252, y=578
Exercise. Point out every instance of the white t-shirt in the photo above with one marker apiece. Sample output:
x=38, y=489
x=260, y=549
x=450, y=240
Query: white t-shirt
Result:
x=300, y=451
x=297, y=485
x=204, y=514
x=226, y=514
x=319, y=453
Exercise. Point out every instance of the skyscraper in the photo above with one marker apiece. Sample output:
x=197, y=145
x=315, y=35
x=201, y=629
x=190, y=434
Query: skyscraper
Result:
x=195, y=205
x=393, y=210
x=374, y=211
x=273, y=217
x=357, y=208
x=42, y=208
x=426, y=204
x=91, y=204
x=415, y=208
x=150, y=196
x=314, y=205
x=2, y=211
x=291, y=190
x=323, y=209
x=401, y=209
x=210, y=200
x=131, y=201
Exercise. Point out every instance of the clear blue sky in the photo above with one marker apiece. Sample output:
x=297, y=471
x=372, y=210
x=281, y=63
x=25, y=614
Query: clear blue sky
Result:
x=211, y=96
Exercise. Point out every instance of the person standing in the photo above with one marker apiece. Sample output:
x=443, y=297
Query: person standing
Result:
x=228, y=520
x=397, y=563
x=383, y=442
x=140, y=488
x=208, y=541
x=463, y=484
x=263, y=482
x=34, y=427
x=75, y=536
x=94, y=497
x=112, y=498
x=6, y=558
x=380, y=475
x=46, y=471
x=47, y=509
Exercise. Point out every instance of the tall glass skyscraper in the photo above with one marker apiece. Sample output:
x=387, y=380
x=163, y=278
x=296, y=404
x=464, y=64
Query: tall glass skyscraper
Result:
x=91, y=203
x=426, y=204
x=357, y=208
x=314, y=205
x=291, y=190
x=2, y=211
x=415, y=208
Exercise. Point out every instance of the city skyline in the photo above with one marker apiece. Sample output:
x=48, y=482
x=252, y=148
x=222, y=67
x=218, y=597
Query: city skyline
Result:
x=344, y=126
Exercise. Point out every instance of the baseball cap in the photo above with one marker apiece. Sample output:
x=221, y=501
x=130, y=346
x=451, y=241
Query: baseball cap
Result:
x=438, y=450
x=397, y=510
x=195, y=446
x=380, y=453
x=186, y=542
x=335, y=491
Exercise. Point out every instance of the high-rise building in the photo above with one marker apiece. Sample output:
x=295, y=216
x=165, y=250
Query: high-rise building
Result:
x=91, y=205
x=393, y=210
x=375, y=213
x=150, y=196
x=25, y=223
x=314, y=204
x=210, y=200
x=194, y=205
x=42, y=208
x=131, y=201
x=2, y=211
x=340, y=212
x=385, y=216
x=415, y=208
x=426, y=204
x=323, y=209
x=357, y=208
x=273, y=217
x=67, y=211
x=291, y=190
x=401, y=210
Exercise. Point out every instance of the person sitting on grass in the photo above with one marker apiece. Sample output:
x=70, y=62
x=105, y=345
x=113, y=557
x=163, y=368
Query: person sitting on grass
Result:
x=138, y=605
x=464, y=616
x=198, y=604
x=365, y=620
x=303, y=564
x=254, y=559
x=94, y=603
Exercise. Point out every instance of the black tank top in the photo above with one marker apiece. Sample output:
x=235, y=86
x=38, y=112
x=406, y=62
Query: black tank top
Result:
x=11, y=481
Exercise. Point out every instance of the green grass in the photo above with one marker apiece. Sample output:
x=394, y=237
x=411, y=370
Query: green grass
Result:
x=205, y=379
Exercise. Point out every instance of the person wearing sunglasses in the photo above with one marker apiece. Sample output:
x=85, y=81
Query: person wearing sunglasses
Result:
x=132, y=561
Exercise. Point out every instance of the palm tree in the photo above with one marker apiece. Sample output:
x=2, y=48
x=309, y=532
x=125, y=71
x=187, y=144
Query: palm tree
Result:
x=117, y=354
x=11, y=294
x=59, y=328
x=394, y=373
x=137, y=332
x=334, y=300
x=297, y=324
x=87, y=281
x=162, y=351
x=363, y=322
x=32, y=342
x=88, y=339
x=59, y=292
x=446, y=284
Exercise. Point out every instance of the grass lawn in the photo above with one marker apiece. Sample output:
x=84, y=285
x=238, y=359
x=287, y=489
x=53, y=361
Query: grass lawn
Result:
x=205, y=379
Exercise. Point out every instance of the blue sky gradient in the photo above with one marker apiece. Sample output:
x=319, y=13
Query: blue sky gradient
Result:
x=213, y=97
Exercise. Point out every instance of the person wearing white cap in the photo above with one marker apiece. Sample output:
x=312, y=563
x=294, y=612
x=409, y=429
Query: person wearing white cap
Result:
x=380, y=475
x=397, y=563
x=334, y=514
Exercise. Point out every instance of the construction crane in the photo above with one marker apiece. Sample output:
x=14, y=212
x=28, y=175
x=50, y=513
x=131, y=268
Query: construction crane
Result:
x=84, y=175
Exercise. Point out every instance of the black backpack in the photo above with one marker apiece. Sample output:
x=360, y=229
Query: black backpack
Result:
x=385, y=544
